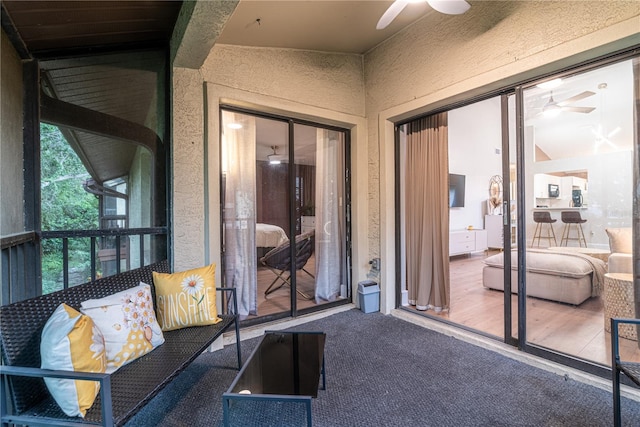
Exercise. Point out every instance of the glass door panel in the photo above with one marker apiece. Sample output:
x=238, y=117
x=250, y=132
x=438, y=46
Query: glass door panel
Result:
x=284, y=214
x=475, y=152
x=476, y=215
x=273, y=216
x=578, y=145
x=320, y=203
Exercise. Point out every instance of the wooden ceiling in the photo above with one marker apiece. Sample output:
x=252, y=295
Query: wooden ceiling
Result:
x=53, y=27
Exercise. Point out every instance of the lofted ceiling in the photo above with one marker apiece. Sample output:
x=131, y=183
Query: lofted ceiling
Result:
x=65, y=35
x=326, y=26
x=54, y=30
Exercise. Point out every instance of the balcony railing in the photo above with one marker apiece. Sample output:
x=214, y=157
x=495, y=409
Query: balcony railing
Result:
x=19, y=258
x=21, y=275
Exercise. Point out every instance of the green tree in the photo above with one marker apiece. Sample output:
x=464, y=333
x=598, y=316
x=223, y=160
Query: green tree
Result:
x=65, y=206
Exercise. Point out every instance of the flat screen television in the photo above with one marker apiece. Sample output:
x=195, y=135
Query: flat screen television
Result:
x=456, y=190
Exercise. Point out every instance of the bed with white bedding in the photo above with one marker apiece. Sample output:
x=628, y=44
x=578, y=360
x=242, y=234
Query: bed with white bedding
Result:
x=270, y=236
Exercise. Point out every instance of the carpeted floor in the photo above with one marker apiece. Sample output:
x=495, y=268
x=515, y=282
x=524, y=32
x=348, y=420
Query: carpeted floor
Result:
x=383, y=371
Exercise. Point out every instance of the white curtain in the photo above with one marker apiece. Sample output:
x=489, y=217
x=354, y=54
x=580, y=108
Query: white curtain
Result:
x=239, y=182
x=330, y=254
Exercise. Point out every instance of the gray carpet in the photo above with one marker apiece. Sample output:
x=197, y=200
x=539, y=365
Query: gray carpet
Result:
x=387, y=372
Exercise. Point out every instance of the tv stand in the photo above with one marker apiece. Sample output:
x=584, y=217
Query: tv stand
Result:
x=467, y=241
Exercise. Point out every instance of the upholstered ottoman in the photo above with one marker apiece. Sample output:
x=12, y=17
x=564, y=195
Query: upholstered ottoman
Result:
x=569, y=278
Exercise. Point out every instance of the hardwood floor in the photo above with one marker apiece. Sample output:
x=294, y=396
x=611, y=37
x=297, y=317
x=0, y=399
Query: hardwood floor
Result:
x=279, y=301
x=574, y=330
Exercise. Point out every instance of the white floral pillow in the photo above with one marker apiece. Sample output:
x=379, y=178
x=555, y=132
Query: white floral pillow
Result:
x=128, y=322
x=72, y=342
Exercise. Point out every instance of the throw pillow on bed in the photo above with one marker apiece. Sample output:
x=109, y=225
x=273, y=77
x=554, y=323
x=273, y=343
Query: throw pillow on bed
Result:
x=187, y=298
x=128, y=323
x=72, y=342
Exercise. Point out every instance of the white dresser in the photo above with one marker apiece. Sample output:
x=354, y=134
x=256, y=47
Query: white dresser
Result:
x=495, y=234
x=308, y=223
x=467, y=241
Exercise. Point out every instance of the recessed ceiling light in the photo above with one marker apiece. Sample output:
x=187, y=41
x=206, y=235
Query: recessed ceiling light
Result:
x=550, y=84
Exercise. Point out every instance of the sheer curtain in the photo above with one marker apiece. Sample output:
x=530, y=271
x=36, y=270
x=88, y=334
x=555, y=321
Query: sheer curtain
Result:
x=329, y=252
x=239, y=183
x=427, y=213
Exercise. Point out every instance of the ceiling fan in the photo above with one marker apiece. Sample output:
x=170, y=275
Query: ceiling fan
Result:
x=449, y=7
x=274, y=158
x=553, y=108
x=602, y=137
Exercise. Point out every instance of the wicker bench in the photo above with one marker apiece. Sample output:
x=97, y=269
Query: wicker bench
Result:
x=122, y=393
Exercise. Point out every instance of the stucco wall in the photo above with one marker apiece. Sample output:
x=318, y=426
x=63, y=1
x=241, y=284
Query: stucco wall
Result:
x=11, y=189
x=430, y=64
x=437, y=53
x=331, y=81
x=188, y=169
x=438, y=61
x=327, y=88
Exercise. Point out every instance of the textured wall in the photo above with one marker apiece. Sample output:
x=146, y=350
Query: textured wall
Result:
x=11, y=195
x=438, y=52
x=444, y=58
x=331, y=81
x=188, y=169
x=198, y=26
x=429, y=62
x=311, y=85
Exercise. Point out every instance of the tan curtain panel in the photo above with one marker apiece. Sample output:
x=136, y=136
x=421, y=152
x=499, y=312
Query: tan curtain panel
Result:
x=427, y=213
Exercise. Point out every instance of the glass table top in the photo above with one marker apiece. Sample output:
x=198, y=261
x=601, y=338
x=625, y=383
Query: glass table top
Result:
x=283, y=363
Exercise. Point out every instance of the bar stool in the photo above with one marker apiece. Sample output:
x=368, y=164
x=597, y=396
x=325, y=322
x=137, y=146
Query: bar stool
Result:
x=541, y=218
x=572, y=218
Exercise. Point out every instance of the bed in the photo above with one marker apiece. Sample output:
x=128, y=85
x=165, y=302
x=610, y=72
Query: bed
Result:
x=566, y=277
x=270, y=236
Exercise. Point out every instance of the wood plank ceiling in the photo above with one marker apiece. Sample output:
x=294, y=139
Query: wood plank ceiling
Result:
x=55, y=27
x=94, y=54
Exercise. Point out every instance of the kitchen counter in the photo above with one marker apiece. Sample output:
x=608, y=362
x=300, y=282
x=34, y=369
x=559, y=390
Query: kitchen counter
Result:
x=582, y=208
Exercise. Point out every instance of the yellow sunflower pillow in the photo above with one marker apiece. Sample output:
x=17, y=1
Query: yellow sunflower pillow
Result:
x=72, y=342
x=187, y=298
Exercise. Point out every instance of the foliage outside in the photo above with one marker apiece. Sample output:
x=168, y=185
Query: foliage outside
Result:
x=65, y=206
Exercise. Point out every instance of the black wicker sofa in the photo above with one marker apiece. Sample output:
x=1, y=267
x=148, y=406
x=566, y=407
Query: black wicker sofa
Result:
x=25, y=398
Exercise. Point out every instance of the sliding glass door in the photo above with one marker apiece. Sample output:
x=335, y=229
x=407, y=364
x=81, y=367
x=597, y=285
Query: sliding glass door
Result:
x=477, y=168
x=579, y=151
x=540, y=213
x=284, y=214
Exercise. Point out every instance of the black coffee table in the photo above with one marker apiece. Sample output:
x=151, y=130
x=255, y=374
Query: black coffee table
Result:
x=284, y=367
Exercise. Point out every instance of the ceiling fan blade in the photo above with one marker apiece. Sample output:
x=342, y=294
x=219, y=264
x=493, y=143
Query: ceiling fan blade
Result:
x=579, y=109
x=391, y=13
x=578, y=97
x=450, y=7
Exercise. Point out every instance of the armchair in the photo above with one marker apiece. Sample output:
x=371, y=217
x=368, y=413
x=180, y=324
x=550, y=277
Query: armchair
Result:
x=279, y=261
